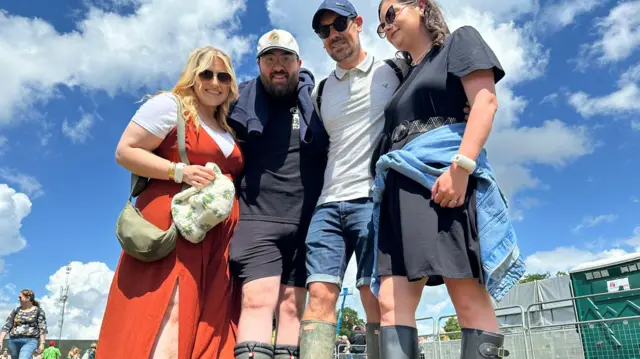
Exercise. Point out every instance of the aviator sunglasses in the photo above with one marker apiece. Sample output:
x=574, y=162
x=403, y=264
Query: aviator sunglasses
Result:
x=390, y=18
x=340, y=24
x=224, y=78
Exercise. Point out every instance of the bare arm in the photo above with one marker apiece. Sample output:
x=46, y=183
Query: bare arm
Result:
x=479, y=87
x=134, y=152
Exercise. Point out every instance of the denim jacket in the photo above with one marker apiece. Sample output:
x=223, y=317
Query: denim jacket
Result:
x=502, y=264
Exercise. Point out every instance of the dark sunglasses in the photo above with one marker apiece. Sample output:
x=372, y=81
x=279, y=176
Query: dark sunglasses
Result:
x=390, y=18
x=224, y=78
x=340, y=24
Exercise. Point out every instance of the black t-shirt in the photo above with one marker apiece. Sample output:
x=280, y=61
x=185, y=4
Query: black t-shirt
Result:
x=358, y=341
x=280, y=183
x=433, y=87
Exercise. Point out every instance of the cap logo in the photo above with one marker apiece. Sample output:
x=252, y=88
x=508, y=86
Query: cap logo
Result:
x=274, y=37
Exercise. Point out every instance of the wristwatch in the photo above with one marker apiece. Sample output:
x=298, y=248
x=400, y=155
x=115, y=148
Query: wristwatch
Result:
x=464, y=162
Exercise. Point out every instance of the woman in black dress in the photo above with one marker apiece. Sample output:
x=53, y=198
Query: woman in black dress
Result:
x=430, y=237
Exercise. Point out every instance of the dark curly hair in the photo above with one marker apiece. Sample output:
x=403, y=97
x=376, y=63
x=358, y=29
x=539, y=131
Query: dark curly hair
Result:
x=433, y=21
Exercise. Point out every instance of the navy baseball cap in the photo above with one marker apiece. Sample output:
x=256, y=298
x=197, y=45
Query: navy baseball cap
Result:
x=340, y=7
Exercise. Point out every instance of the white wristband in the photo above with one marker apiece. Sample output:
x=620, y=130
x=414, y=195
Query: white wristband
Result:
x=464, y=162
x=179, y=172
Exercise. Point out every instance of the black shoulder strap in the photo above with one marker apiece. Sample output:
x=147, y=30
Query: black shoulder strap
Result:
x=396, y=69
x=319, y=98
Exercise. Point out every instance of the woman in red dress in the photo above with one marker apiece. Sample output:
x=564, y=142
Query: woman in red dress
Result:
x=181, y=306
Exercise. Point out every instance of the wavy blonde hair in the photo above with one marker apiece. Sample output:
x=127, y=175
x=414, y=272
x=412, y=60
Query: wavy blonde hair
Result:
x=199, y=60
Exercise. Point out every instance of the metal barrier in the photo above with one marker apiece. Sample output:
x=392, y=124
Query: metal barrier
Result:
x=427, y=341
x=340, y=354
x=607, y=338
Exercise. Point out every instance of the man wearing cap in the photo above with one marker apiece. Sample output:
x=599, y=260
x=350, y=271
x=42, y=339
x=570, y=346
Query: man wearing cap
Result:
x=51, y=352
x=284, y=148
x=351, y=104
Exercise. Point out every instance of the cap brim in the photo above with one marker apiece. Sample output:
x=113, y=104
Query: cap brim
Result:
x=316, y=18
x=277, y=48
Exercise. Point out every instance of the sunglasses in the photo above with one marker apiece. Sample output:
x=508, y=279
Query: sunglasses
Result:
x=389, y=19
x=340, y=24
x=224, y=78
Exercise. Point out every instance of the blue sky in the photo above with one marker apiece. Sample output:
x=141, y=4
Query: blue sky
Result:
x=564, y=143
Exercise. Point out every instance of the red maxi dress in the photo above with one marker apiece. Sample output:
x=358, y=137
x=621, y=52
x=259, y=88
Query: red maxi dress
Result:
x=140, y=292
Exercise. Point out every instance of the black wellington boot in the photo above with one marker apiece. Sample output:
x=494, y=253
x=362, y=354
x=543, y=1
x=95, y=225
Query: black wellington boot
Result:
x=253, y=350
x=399, y=342
x=478, y=344
x=286, y=352
x=373, y=340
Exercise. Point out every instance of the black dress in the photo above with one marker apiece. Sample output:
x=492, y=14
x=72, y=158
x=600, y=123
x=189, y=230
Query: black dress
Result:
x=418, y=238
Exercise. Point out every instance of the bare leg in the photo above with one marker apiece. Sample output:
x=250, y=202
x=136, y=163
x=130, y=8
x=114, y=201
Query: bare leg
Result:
x=259, y=301
x=399, y=300
x=289, y=312
x=165, y=346
x=473, y=304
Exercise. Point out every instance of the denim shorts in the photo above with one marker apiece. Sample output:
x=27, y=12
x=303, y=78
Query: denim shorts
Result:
x=337, y=230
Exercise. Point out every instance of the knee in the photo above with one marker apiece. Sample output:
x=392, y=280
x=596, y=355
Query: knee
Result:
x=387, y=306
x=323, y=298
x=259, y=297
x=291, y=307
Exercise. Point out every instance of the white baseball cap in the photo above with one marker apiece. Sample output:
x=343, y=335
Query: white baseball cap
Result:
x=278, y=39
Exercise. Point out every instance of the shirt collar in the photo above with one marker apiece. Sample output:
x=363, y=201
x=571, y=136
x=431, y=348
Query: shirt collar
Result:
x=364, y=66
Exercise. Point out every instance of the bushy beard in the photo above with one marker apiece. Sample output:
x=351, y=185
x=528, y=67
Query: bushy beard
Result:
x=280, y=89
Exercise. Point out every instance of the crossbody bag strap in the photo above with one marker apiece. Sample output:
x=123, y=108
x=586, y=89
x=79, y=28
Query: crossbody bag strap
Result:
x=182, y=147
x=137, y=182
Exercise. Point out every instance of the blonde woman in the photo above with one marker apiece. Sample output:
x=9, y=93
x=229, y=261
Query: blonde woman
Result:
x=74, y=353
x=26, y=326
x=180, y=306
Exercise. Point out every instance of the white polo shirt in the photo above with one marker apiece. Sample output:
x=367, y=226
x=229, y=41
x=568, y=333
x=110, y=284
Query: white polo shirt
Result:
x=353, y=103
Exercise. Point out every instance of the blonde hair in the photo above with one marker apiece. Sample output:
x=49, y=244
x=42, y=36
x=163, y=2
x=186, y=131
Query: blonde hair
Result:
x=28, y=293
x=199, y=60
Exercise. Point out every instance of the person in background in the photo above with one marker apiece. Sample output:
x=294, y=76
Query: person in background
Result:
x=26, y=326
x=91, y=352
x=441, y=217
x=284, y=160
x=358, y=342
x=5, y=354
x=183, y=305
x=51, y=352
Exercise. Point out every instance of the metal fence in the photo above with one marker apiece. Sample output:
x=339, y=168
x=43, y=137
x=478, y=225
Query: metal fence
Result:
x=606, y=338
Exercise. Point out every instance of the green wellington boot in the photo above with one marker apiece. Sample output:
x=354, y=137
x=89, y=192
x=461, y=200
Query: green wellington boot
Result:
x=317, y=339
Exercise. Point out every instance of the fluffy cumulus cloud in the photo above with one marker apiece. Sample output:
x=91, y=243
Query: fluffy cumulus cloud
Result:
x=14, y=207
x=566, y=258
x=108, y=51
x=559, y=14
x=625, y=101
x=619, y=36
x=89, y=285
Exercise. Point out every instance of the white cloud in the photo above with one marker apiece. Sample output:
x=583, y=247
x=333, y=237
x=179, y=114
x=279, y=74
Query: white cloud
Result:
x=110, y=52
x=623, y=101
x=89, y=285
x=590, y=222
x=551, y=98
x=635, y=125
x=513, y=149
x=635, y=239
x=28, y=184
x=562, y=13
x=619, y=36
x=14, y=207
x=566, y=258
x=80, y=131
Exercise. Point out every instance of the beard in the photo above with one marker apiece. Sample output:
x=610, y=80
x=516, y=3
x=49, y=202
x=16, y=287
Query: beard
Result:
x=283, y=89
x=344, y=50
